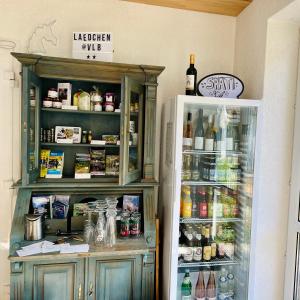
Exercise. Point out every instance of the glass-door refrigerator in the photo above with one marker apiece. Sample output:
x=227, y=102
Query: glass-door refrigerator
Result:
x=208, y=197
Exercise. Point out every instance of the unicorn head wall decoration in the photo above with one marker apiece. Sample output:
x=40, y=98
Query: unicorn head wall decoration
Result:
x=41, y=34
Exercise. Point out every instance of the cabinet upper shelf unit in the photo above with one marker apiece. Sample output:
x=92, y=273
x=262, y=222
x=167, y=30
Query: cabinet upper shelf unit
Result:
x=221, y=7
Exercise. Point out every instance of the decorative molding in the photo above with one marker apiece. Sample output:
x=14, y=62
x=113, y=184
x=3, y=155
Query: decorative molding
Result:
x=41, y=34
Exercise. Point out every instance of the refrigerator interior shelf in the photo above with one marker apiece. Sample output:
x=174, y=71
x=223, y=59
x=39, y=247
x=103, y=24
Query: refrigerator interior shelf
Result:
x=215, y=183
x=216, y=262
x=210, y=220
x=202, y=152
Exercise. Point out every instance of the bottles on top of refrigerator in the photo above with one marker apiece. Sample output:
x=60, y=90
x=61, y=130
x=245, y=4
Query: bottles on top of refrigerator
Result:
x=209, y=135
x=200, y=287
x=211, y=293
x=188, y=133
x=199, y=133
x=186, y=286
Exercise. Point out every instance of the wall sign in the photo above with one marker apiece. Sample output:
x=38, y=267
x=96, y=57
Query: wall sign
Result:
x=93, y=46
x=220, y=85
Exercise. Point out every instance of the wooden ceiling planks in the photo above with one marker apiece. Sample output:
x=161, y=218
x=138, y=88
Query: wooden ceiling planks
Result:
x=221, y=7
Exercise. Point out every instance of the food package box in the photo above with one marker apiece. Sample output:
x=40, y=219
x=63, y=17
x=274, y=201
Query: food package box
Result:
x=131, y=203
x=44, y=159
x=110, y=139
x=112, y=165
x=97, y=162
x=79, y=209
x=65, y=93
x=55, y=165
x=64, y=134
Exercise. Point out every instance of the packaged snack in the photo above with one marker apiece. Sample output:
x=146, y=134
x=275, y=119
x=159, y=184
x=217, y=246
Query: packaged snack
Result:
x=65, y=134
x=110, y=139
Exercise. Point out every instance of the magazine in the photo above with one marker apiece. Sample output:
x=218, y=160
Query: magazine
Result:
x=55, y=165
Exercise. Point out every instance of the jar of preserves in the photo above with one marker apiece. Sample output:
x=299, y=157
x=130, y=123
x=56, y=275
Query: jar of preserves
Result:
x=125, y=225
x=135, y=224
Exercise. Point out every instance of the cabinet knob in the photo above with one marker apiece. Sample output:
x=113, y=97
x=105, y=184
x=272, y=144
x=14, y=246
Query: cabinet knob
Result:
x=91, y=289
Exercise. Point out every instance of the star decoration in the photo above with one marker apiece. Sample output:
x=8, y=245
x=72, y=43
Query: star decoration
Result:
x=88, y=57
x=94, y=56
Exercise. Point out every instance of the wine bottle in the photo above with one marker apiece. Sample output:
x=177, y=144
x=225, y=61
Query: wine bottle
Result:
x=206, y=246
x=209, y=135
x=191, y=77
x=211, y=287
x=200, y=287
x=187, y=134
x=199, y=132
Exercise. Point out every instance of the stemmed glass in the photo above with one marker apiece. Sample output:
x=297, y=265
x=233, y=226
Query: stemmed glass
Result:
x=88, y=232
x=111, y=214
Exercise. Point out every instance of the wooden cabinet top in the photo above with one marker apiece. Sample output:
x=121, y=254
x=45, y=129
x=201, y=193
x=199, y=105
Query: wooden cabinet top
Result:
x=69, y=68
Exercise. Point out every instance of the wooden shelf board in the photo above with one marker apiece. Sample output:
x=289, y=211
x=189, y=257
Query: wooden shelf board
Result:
x=221, y=7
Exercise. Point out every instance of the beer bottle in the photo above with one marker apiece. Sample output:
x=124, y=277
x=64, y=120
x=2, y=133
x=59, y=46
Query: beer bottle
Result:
x=186, y=173
x=213, y=245
x=210, y=202
x=206, y=246
x=211, y=287
x=200, y=287
x=186, y=286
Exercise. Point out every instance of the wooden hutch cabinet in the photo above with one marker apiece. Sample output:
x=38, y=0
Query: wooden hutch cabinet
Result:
x=125, y=271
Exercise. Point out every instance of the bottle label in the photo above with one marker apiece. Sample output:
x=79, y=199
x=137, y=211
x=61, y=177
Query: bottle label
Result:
x=211, y=298
x=187, y=142
x=221, y=249
x=187, y=210
x=229, y=144
x=190, y=82
x=186, y=297
x=199, y=143
x=203, y=210
x=207, y=252
x=200, y=298
x=213, y=250
x=197, y=254
x=221, y=145
x=209, y=144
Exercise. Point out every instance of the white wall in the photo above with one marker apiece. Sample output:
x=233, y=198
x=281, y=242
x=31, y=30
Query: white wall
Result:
x=142, y=34
x=267, y=58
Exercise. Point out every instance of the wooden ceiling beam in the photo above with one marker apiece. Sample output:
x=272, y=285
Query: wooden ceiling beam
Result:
x=221, y=7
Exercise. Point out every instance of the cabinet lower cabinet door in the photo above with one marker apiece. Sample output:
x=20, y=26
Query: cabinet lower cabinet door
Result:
x=115, y=279
x=59, y=281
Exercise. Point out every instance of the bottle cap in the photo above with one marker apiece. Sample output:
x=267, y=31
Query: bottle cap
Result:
x=192, y=59
x=189, y=116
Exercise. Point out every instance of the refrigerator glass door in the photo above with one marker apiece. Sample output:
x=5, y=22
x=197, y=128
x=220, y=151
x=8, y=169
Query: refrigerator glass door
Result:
x=215, y=152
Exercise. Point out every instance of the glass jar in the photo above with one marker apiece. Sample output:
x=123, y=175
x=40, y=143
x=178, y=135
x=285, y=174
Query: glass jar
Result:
x=135, y=224
x=84, y=101
x=96, y=101
x=100, y=233
x=109, y=102
x=125, y=225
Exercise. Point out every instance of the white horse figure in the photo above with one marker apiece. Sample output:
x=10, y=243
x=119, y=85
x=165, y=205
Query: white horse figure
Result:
x=42, y=33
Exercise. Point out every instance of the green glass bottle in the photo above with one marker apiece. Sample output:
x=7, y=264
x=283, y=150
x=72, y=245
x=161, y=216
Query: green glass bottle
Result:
x=186, y=286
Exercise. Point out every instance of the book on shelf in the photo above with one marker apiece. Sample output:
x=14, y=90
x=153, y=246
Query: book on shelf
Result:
x=55, y=165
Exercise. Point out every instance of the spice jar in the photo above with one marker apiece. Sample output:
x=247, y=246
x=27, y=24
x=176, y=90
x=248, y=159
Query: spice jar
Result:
x=84, y=137
x=109, y=102
x=125, y=225
x=135, y=224
x=47, y=102
x=96, y=100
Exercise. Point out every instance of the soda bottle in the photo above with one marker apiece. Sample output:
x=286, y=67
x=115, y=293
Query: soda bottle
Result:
x=186, y=286
x=187, y=204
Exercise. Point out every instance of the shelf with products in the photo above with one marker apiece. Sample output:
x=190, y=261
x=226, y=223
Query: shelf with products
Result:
x=216, y=262
x=209, y=220
x=228, y=184
x=214, y=152
x=81, y=145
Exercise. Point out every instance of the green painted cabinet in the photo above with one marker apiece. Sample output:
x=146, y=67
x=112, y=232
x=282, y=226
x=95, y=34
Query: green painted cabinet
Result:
x=127, y=273
x=115, y=279
x=59, y=280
